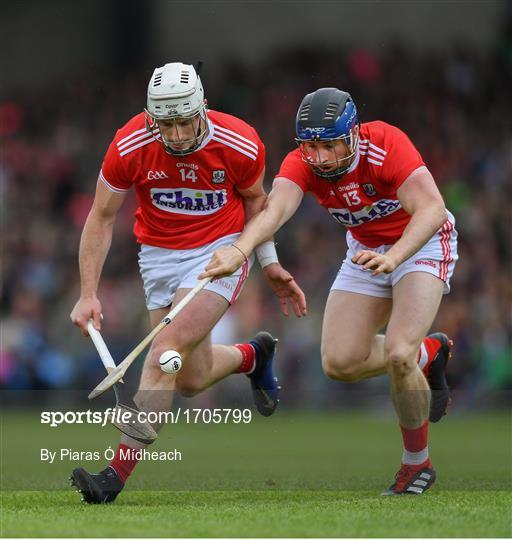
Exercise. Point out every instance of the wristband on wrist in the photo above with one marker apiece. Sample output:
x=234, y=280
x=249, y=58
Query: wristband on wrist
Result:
x=245, y=256
x=266, y=253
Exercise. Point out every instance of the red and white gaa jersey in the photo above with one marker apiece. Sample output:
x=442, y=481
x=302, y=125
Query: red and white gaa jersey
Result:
x=185, y=202
x=365, y=199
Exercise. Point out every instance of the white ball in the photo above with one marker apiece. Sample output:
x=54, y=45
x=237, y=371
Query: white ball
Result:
x=170, y=362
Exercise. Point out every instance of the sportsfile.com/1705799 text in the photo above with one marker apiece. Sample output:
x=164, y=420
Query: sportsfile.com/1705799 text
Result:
x=187, y=416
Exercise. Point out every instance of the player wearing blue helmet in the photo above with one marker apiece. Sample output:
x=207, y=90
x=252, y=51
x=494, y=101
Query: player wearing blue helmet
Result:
x=401, y=254
x=327, y=119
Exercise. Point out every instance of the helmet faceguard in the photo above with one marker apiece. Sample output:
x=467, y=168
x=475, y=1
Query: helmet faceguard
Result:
x=327, y=116
x=176, y=107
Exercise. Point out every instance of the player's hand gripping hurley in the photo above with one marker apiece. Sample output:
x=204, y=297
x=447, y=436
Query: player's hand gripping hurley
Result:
x=118, y=372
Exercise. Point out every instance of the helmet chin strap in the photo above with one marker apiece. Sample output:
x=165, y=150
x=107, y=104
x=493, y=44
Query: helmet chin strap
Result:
x=332, y=176
x=340, y=172
x=200, y=134
x=335, y=174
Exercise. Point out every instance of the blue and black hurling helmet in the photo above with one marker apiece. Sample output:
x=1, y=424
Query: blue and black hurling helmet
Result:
x=328, y=114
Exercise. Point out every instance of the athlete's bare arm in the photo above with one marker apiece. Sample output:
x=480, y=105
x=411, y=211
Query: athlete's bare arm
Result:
x=94, y=245
x=281, y=204
x=254, y=197
x=283, y=201
x=420, y=197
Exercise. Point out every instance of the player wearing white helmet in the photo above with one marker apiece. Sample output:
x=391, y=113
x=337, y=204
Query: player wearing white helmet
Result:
x=177, y=108
x=198, y=177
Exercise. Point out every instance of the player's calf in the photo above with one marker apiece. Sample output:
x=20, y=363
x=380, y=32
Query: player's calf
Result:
x=344, y=373
x=345, y=366
x=189, y=387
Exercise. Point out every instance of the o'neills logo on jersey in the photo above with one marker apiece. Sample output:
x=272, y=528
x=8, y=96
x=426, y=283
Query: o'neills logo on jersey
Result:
x=378, y=209
x=189, y=201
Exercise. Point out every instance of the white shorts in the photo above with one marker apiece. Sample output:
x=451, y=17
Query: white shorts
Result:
x=164, y=271
x=436, y=257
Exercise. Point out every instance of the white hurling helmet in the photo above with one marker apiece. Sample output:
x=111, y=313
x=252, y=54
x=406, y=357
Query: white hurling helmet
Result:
x=175, y=92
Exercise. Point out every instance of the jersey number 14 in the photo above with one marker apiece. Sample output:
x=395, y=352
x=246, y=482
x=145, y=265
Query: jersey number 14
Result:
x=188, y=175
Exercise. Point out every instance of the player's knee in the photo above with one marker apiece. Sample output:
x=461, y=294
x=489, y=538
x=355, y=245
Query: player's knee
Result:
x=401, y=358
x=156, y=352
x=189, y=387
x=340, y=369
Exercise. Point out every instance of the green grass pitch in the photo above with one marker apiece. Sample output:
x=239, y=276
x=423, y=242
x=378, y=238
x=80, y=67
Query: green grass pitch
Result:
x=293, y=475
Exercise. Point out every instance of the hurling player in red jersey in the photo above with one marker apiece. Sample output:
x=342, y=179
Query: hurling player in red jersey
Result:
x=198, y=176
x=401, y=254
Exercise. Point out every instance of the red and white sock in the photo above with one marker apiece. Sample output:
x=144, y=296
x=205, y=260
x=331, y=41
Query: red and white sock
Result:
x=124, y=465
x=248, y=358
x=428, y=350
x=416, y=446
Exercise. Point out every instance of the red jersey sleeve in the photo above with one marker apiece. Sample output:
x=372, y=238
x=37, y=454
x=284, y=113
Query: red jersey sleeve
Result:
x=294, y=169
x=114, y=170
x=253, y=169
x=402, y=157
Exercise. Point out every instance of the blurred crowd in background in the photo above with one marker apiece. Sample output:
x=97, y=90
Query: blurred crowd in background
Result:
x=453, y=106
